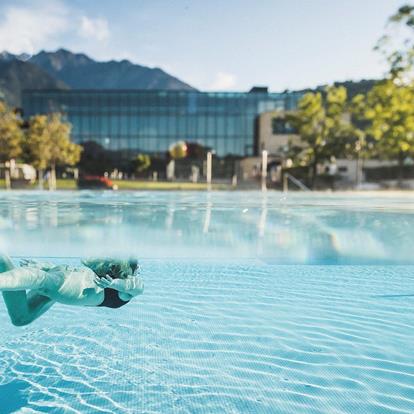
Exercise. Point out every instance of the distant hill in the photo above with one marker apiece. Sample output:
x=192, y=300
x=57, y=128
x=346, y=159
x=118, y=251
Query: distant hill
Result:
x=64, y=70
x=16, y=75
x=81, y=72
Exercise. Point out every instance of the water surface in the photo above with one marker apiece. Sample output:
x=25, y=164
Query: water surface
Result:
x=253, y=303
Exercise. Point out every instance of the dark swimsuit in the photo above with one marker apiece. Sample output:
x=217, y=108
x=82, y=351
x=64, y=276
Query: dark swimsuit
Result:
x=112, y=299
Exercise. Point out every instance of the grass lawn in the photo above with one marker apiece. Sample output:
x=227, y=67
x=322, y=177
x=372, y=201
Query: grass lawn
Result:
x=61, y=185
x=69, y=184
x=165, y=185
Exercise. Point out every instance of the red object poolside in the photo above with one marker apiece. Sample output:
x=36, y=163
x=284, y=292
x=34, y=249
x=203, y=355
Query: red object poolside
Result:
x=95, y=181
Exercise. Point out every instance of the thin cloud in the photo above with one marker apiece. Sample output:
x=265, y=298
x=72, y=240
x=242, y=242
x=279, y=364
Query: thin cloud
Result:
x=25, y=29
x=223, y=81
x=48, y=25
x=94, y=28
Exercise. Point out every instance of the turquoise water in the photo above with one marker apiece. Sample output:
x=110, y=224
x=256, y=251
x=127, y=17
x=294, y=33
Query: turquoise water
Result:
x=253, y=304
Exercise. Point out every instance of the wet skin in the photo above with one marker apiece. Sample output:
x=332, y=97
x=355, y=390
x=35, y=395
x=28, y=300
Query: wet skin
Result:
x=47, y=284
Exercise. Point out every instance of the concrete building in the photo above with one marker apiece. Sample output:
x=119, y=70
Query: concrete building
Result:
x=275, y=134
x=277, y=137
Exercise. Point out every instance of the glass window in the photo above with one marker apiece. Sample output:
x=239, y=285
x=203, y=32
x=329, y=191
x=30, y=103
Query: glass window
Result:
x=280, y=126
x=134, y=124
x=225, y=120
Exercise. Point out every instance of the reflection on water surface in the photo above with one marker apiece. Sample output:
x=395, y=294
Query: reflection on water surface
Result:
x=309, y=228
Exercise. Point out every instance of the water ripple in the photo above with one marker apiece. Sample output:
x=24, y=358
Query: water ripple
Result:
x=217, y=338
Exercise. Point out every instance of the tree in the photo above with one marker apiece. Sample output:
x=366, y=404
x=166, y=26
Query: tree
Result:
x=142, y=163
x=37, y=148
x=62, y=150
x=388, y=115
x=322, y=124
x=10, y=137
x=48, y=144
x=399, y=49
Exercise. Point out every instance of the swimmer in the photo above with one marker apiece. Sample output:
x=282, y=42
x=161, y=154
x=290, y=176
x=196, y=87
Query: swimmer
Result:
x=32, y=289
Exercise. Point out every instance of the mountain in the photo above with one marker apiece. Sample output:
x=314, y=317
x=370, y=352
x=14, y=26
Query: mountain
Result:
x=64, y=70
x=81, y=72
x=7, y=57
x=16, y=75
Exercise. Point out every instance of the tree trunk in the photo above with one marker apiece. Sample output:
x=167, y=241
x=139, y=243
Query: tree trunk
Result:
x=40, y=178
x=400, y=169
x=314, y=169
x=357, y=171
x=52, y=181
x=7, y=178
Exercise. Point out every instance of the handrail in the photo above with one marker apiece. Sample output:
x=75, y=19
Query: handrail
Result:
x=294, y=181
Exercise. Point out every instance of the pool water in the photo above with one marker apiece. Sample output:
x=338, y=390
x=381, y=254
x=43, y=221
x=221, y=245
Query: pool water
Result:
x=253, y=303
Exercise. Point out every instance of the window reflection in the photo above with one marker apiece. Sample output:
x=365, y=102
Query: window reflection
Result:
x=149, y=120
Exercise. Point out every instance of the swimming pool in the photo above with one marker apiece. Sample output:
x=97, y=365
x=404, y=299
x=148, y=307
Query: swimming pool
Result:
x=253, y=303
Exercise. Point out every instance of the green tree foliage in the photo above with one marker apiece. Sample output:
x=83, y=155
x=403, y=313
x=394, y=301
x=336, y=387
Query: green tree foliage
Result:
x=387, y=113
x=37, y=148
x=10, y=134
x=48, y=144
x=62, y=150
x=142, y=163
x=178, y=150
x=398, y=46
x=323, y=125
x=10, y=137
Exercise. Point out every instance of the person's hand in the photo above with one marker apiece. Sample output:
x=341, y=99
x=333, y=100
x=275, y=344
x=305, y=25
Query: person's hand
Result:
x=132, y=285
x=139, y=284
x=103, y=282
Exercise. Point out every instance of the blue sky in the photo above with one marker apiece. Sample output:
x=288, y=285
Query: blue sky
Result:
x=214, y=44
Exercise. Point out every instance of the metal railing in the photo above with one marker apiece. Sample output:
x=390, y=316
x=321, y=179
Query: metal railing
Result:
x=287, y=177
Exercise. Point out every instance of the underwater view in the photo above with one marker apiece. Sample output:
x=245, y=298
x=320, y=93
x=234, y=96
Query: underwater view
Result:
x=253, y=303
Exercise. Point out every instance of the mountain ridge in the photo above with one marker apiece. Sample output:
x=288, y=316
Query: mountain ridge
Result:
x=64, y=69
x=79, y=71
x=16, y=75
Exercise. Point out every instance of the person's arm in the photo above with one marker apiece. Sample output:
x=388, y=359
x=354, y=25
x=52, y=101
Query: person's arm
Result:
x=45, y=266
x=127, y=288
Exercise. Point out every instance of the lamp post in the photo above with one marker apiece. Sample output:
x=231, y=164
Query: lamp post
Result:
x=264, y=170
x=209, y=169
x=358, y=174
x=7, y=175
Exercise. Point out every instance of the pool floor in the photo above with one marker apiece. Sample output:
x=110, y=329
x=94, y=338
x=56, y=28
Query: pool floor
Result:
x=223, y=337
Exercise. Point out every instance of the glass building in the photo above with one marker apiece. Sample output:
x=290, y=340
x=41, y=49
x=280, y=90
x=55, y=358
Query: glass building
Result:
x=150, y=121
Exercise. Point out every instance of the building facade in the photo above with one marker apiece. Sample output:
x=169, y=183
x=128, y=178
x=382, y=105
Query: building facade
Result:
x=150, y=121
x=275, y=135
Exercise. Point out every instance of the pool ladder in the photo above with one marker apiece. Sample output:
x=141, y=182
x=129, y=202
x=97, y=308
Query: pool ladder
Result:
x=287, y=177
